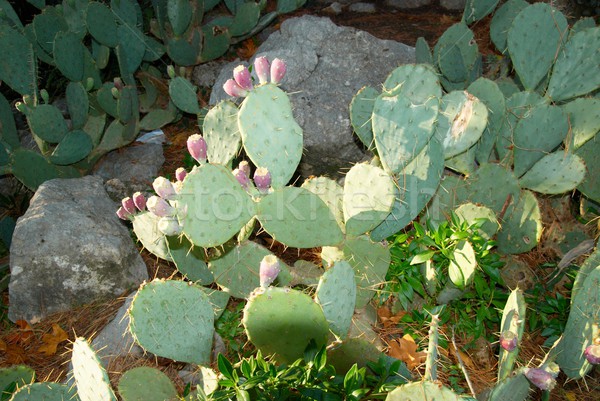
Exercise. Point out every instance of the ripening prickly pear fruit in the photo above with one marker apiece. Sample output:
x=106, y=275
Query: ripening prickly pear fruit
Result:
x=242, y=77
x=278, y=69
x=128, y=205
x=542, y=378
x=592, y=354
x=262, y=179
x=233, y=89
x=269, y=269
x=123, y=214
x=262, y=68
x=164, y=188
x=242, y=178
x=245, y=167
x=118, y=83
x=160, y=207
x=196, y=145
x=139, y=200
x=180, y=174
x=508, y=340
x=169, y=226
x=171, y=71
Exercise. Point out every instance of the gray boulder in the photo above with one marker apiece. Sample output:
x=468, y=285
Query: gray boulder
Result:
x=326, y=66
x=407, y=4
x=70, y=249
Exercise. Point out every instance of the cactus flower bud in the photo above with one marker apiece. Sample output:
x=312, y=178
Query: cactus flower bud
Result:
x=245, y=167
x=171, y=71
x=278, y=69
x=128, y=205
x=118, y=83
x=180, y=174
x=233, y=89
x=169, y=226
x=196, y=145
x=262, y=68
x=262, y=179
x=592, y=354
x=160, y=207
x=123, y=214
x=508, y=340
x=269, y=269
x=242, y=178
x=541, y=378
x=164, y=188
x=139, y=201
x=242, y=77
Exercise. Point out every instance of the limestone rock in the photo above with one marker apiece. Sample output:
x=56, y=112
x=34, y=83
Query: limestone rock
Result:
x=70, y=249
x=326, y=66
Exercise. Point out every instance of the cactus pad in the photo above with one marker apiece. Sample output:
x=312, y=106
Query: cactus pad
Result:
x=91, y=379
x=456, y=53
x=173, y=319
x=513, y=320
x=221, y=132
x=513, y=388
x=522, y=225
x=145, y=226
x=46, y=122
x=555, y=173
x=271, y=137
x=478, y=9
x=75, y=146
x=361, y=112
x=189, y=260
x=336, y=293
x=472, y=213
x=463, y=265
x=45, y=392
x=183, y=95
x=591, y=183
x=422, y=391
x=502, y=21
x=146, y=384
x=20, y=375
x=584, y=118
x=18, y=66
x=282, y=322
x=331, y=193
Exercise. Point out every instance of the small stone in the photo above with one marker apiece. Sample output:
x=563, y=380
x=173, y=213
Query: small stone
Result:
x=367, y=8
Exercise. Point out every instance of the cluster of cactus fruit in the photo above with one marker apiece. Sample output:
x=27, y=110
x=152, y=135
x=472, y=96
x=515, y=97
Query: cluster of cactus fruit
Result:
x=77, y=38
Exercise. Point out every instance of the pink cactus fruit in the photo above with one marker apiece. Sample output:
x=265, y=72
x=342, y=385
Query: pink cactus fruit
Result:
x=123, y=214
x=592, y=354
x=241, y=177
x=262, y=68
x=169, y=226
x=508, y=340
x=128, y=205
x=160, y=207
x=233, y=89
x=139, y=201
x=269, y=269
x=180, y=174
x=278, y=69
x=541, y=378
x=164, y=188
x=196, y=145
x=262, y=179
x=245, y=167
x=242, y=77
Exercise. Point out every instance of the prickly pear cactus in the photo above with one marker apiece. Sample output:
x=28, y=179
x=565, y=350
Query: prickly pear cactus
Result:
x=45, y=392
x=361, y=110
x=422, y=391
x=221, y=132
x=146, y=384
x=513, y=321
x=91, y=379
x=19, y=375
x=336, y=293
x=282, y=322
x=513, y=388
x=173, y=319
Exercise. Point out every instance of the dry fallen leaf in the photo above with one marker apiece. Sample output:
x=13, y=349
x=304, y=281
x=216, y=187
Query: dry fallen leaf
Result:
x=405, y=349
x=15, y=355
x=465, y=358
x=387, y=318
x=52, y=340
x=3, y=346
x=22, y=335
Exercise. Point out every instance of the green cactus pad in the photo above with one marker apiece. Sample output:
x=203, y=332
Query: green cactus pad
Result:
x=237, y=271
x=78, y=104
x=462, y=267
x=415, y=186
x=271, y=137
x=491, y=186
x=189, y=260
x=582, y=24
x=305, y=273
x=46, y=25
x=69, y=55
x=368, y=198
x=128, y=105
x=555, y=173
x=370, y=261
x=282, y=322
x=91, y=379
x=47, y=123
x=74, y=147
x=215, y=43
x=513, y=320
x=32, y=169
x=476, y=10
x=513, y=388
x=419, y=83
x=490, y=94
x=157, y=118
x=9, y=133
x=102, y=24
x=472, y=213
x=45, y=392
x=130, y=51
x=463, y=163
x=461, y=122
x=331, y=193
x=352, y=351
x=590, y=186
x=127, y=12
x=298, y=218
x=179, y=13
x=218, y=300
x=106, y=100
x=217, y=206
x=361, y=112
x=539, y=132
x=173, y=319
x=502, y=21
x=577, y=70
x=402, y=129
x=522, y=225
x=186, y=51
x=146, y=384
x=584, y=119
x=20, y=375
x=422, y=391
x=456, y=53
x=536, y=34
x=582, y=325
x=183, y=95
x=145, y=227
x=221, y=132
x=116, y=135
x=245, y=19
x=423, y=52
x=336, y=293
